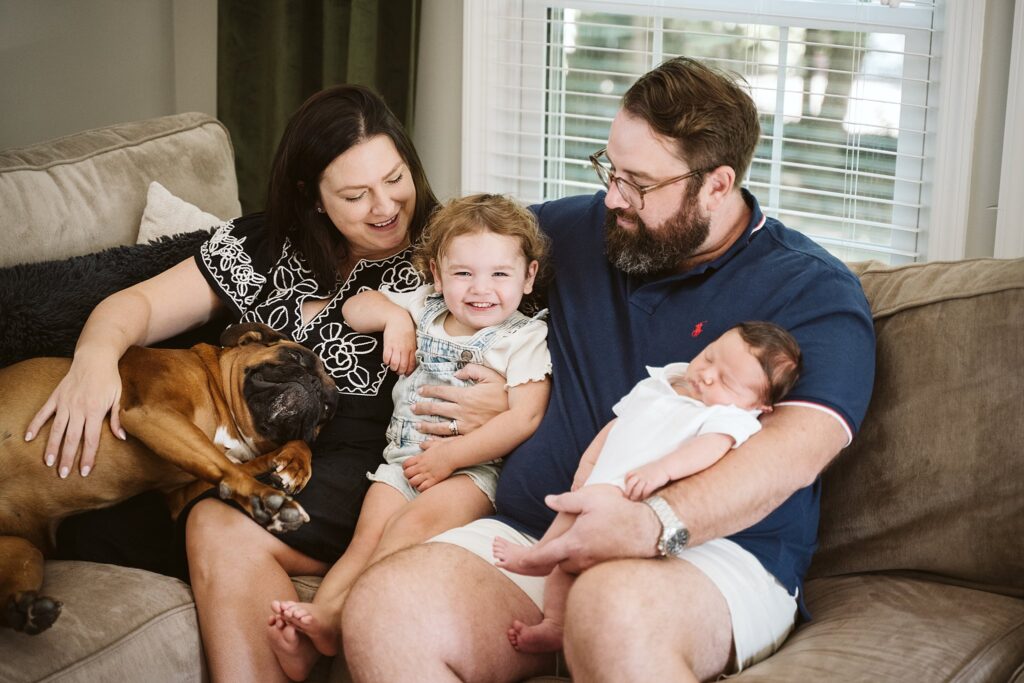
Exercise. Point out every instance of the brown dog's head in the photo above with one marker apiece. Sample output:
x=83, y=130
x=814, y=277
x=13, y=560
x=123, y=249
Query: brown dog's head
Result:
x=288, y=392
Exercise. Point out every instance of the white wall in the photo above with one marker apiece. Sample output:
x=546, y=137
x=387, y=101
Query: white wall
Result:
x=69, y=65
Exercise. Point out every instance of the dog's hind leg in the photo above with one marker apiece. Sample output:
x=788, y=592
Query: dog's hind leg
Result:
x=21, y=578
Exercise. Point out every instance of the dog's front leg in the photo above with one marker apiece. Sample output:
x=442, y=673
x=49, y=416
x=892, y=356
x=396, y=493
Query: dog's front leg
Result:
x=176, y=439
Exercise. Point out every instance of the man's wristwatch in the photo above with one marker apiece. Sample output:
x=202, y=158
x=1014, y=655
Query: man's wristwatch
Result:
x=674, y=534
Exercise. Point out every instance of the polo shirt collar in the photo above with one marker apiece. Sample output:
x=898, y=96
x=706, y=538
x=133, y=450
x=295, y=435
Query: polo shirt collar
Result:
x=649, y=294
x=757, y=221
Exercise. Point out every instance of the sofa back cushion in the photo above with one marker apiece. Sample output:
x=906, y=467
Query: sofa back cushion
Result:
x=934, y=482
x=87, y=191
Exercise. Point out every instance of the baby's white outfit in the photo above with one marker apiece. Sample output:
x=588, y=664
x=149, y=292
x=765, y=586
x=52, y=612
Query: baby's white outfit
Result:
x=516, y=347
x=654, y=420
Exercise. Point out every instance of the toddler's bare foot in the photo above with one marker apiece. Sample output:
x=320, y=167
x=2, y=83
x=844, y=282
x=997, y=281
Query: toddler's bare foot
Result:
x=295, y=652
x=518, y=559
x=317, y=622
x=544, y=637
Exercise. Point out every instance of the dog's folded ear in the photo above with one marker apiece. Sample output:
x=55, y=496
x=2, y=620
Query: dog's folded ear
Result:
x=249, y=333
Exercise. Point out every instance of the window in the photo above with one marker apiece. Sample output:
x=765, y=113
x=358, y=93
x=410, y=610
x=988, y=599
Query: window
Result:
x=843, y=89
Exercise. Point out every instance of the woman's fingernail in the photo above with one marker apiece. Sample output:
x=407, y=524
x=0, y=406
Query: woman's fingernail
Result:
x=50, y=459
x=64, y=472
x=124, y=437
x=86, y=470
x=28, y=436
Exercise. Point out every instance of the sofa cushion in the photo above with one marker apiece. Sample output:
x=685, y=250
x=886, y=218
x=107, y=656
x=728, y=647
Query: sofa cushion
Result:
x=934, y=482
x=86, y=191
x=117, y=624
x=897, y=628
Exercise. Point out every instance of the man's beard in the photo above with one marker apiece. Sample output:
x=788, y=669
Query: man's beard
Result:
x=646, y=253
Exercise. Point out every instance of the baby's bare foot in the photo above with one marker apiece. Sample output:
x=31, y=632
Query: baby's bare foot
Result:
x=518, y=559
x=544, y=637
x=318, y=623
x=505, y=553
x=295, y=652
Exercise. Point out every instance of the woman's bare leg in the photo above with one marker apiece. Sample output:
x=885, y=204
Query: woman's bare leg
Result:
x=237, y=568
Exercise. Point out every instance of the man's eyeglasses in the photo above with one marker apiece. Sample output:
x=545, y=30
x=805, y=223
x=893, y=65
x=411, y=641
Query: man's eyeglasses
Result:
x=631, y=192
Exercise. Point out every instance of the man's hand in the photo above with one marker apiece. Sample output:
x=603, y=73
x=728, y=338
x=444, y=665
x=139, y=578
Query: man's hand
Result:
x=469, y=406
x=429, y=467
x=645, y=480
x=608, y=526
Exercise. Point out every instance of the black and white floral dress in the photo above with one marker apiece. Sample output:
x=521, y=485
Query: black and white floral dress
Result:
x=270, y=288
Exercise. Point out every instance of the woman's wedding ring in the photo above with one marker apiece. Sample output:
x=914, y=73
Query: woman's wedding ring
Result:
x=453, y=427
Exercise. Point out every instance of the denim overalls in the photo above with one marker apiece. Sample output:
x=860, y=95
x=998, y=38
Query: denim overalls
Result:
x=438, y=359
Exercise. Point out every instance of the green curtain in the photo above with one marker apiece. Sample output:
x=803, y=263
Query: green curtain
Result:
x=273, y=54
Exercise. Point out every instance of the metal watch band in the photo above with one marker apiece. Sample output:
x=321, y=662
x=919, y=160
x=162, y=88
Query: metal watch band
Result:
x=671, y=525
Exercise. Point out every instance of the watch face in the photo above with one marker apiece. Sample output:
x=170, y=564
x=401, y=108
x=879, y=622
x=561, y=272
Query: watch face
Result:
x=675, y=541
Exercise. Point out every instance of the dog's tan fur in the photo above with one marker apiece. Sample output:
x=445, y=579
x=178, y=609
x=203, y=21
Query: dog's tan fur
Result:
x=173, y=403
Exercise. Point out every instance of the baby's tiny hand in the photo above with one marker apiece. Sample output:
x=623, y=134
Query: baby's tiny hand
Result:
x=644, y=481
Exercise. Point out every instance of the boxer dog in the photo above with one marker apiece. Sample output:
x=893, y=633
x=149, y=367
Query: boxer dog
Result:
x=195, y=417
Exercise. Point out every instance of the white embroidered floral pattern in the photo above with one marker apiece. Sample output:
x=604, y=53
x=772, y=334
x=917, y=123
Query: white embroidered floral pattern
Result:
x=351, y=358
x=228, y=262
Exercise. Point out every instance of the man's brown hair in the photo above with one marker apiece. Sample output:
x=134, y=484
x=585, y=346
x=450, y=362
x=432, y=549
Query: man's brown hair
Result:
x=712, y=119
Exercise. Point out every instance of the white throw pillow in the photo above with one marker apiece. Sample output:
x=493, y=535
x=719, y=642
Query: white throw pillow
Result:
x=166, y=214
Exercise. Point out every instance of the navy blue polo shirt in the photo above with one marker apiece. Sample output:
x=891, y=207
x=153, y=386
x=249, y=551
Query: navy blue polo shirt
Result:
x=606, y=326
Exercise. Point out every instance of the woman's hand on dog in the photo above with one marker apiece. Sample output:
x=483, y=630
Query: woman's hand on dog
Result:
x=78, y=406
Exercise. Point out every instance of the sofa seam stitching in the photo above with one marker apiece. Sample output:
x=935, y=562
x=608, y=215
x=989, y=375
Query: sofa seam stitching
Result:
x=123, y=145
x=918, y=303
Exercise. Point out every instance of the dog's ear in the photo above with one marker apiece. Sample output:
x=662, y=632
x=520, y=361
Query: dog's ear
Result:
x=249, y=333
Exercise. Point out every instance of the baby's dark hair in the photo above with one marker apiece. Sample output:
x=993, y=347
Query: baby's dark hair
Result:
x=779, y=354
x=485, y=213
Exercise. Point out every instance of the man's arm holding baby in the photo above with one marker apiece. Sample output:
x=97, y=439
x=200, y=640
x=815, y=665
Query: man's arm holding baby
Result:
x=794, y=446
x=494, y=439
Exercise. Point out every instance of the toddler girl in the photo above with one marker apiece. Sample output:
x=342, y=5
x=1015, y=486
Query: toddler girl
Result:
x=482, y=254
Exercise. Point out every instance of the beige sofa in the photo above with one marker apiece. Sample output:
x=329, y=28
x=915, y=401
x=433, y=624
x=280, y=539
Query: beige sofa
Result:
x=920, y=573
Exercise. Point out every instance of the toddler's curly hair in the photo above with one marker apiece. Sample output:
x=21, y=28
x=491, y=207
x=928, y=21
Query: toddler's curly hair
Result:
x=477, y=213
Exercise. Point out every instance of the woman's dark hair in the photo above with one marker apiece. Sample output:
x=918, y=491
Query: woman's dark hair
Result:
x=327, y=125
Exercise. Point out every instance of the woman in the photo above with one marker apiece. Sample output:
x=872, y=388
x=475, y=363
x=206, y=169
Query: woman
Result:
x=347, y=197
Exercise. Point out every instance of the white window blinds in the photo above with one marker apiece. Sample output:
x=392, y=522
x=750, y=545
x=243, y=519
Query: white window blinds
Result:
x=842, y=87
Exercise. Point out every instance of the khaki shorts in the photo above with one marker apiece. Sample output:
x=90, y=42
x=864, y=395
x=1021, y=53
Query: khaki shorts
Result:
x=762, y=611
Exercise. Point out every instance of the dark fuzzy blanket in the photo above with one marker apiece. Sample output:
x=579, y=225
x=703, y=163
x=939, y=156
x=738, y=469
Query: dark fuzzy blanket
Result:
x=43, y=306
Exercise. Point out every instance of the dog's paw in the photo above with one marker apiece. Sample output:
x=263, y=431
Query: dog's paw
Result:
x=277, y=512
x=291, y=469
x=30, y=612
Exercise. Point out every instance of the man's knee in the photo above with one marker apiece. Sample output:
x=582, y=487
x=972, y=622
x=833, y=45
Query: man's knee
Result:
x=602, y=601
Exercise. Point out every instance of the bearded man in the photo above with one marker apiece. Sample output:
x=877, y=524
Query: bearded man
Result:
x=703, y=578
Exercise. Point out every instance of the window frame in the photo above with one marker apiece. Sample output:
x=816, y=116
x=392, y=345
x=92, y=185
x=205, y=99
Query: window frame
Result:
x=948, y=146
